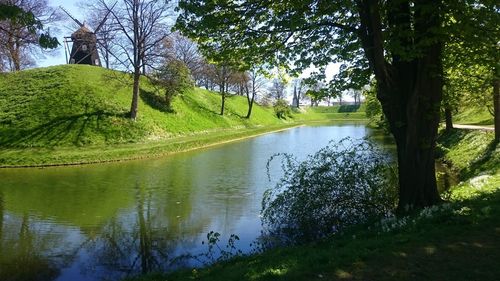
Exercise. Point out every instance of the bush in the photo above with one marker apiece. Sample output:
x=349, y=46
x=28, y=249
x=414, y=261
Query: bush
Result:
x=174, y=77
x=282, y=109
x=342, y=184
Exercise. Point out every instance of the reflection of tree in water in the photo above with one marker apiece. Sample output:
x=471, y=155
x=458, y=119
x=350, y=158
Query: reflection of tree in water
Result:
x=134, y=244
x=24, y=247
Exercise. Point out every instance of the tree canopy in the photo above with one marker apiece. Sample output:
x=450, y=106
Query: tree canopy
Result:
x=399, y=42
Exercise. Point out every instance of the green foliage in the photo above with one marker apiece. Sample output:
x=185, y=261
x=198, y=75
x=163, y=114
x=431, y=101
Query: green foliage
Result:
x=282, y=109
x=25, y=18
x=374, y=108
x=175, y=78
x=317, y=95
x=343, y=184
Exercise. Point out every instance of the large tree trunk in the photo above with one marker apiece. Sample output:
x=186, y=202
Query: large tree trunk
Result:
x=135, y=94
x=410, y=91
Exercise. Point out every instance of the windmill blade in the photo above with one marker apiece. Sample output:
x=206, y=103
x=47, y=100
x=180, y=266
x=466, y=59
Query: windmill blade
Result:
x=104, y=19
x=69, y=15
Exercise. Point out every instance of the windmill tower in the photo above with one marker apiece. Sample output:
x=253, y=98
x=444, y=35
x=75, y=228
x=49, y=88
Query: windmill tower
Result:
x=84, y=43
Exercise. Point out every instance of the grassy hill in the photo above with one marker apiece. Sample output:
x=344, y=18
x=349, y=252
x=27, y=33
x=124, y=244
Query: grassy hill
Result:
x=78, y=114
x=83, y=105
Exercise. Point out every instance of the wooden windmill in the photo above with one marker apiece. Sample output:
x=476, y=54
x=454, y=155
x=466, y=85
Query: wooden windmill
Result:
x=84, y=43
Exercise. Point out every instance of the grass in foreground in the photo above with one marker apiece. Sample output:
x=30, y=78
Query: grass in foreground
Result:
x=459, y=240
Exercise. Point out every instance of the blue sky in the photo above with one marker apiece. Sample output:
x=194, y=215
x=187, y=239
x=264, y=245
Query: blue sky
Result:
x=65, y=29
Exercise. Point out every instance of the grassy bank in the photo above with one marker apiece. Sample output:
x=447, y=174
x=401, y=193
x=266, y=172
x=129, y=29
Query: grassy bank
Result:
x=78, y=114
x=473, y=115
x=458, y=240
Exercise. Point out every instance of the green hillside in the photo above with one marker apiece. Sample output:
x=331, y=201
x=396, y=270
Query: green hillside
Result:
x=76, y=105
x=78, y=114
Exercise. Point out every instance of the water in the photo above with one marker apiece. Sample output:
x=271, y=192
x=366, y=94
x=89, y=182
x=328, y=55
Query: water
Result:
x=107, y=221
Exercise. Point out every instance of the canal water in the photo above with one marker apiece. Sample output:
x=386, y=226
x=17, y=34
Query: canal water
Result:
x=107, y=221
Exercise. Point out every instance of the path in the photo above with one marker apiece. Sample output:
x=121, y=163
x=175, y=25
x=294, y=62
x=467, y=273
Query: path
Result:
x=473, y=127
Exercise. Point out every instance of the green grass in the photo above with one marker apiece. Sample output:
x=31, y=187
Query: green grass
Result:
x=459, y=240
x=473, y=115
x=78, y=114
x=331, y=112
x=470, y=152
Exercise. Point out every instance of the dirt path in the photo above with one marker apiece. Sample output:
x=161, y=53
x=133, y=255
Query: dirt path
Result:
x=473, y=127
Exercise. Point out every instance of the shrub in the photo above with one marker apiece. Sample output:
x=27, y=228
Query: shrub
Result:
x=342, y=184
x=282, y=109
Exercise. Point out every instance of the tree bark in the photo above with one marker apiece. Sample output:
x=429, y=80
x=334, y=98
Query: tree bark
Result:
x=496, y=106
x=250, y=100
x=223, y=98
x=410, y=91
x=448, y=118
x=135, y=94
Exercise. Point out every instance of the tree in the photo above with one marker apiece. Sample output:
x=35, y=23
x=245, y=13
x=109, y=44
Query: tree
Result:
x=255, y=83
x=21, y=29
x=399, y=41
x=473, y=54
x=142, y=25
x=178, y=47
x=277, y=89
x=174, y=78
x=316, y=90
x=222, y=77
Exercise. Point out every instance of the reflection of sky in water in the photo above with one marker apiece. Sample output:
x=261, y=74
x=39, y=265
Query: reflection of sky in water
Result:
x=110, y=220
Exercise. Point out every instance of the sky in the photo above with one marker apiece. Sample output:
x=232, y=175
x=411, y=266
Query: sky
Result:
x=65, y=28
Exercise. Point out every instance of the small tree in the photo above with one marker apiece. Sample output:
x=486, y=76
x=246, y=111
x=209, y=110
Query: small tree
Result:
x=175, y=78
x=282, y=109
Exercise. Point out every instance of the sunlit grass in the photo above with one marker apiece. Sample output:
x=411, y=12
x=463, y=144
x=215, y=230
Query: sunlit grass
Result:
x=78, y=114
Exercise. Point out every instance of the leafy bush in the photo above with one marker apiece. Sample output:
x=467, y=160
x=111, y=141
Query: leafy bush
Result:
x=282, y=109
x=342, y=184
x=174, y=77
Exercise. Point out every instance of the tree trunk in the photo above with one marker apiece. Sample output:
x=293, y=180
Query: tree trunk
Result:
x=448, y=118
x=223, y=97
x=496, y=106
x=250, y=100
x=411, y=105
x=410, y=90
x=135, y=94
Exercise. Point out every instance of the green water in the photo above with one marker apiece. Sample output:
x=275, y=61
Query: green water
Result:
x=108, y=221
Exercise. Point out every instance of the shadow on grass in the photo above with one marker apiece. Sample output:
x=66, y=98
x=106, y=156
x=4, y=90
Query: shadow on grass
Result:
x=62, y=130
x=155, y=101
x=196, y=104
x=488, y=160
x=348, y=108
x=452, y=137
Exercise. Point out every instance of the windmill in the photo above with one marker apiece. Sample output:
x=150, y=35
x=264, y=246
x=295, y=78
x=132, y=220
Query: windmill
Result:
x=84, y=43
